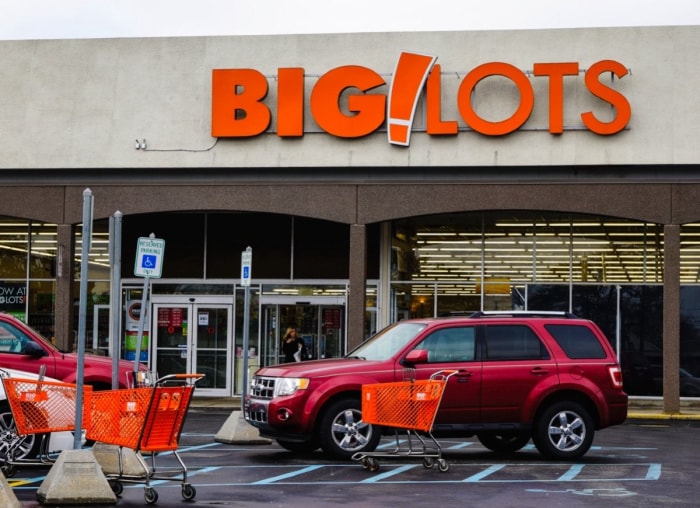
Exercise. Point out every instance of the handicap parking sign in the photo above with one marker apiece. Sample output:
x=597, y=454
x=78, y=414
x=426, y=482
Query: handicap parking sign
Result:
x=148, y=261
x=149, y=257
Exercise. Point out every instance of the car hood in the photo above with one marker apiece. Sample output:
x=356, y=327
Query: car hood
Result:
x=324, y=368
x=105, y=361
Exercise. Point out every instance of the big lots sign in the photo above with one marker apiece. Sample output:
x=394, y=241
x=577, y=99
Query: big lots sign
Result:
x=239, y=108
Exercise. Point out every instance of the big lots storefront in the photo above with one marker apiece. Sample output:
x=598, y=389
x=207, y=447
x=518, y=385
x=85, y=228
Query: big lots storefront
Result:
x=376, y=177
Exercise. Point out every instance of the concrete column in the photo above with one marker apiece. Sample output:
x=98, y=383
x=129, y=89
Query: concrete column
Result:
x=358, y=282
x=672, y=317
x=65, y=274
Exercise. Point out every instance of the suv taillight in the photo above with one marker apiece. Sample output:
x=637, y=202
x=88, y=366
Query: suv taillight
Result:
x=615, y=376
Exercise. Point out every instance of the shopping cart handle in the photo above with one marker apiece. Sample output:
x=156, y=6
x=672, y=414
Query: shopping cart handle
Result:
x=445, y=374
x=197, y=377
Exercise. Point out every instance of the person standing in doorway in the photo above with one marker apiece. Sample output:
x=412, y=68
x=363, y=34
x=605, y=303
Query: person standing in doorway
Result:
x=293, y=347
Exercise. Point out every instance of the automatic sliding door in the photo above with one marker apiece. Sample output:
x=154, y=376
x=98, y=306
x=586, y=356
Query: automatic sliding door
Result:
x=330, y=344
x=321, y=327
x=210, y=354
x=191, y=339
x=171, y=339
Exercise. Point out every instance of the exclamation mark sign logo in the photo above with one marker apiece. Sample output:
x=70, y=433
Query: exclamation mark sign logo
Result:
x=410, y=75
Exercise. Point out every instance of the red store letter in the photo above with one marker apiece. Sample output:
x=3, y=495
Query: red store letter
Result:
x=517, y=119
x=236, y=103
x=613, y=97
x=367, y=111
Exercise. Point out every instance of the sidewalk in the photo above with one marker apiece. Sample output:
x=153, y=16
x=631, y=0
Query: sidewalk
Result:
x=645, y=409
x=639, y=409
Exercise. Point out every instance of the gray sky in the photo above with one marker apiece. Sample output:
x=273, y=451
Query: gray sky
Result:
x=76, y=19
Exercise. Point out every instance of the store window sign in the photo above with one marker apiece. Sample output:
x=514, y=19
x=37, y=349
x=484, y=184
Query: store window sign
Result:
x=13, y=298
x=240, y=109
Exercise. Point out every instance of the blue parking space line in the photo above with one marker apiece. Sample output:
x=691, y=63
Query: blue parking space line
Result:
x=188, y=449
x=190, y=473
x=287, y=475
x=388, y=474
x=390, y=444
x=571, y=473
x=483, y=474
x=458, y=446
x=654, y=472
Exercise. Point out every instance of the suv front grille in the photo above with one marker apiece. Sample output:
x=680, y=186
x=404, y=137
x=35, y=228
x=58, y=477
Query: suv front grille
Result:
x=262, y=387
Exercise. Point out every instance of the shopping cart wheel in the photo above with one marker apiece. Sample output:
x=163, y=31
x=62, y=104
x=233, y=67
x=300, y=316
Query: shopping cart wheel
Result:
x=428, y=462
x=150, y=495
x=443, y=465
x=372, y=464
x=188, y=492
x=116, y=487
x=9, y=470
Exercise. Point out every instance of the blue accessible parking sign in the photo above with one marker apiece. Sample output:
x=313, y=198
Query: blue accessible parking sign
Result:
x=149, y=257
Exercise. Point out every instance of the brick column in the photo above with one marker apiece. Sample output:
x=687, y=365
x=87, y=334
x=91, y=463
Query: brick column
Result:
x=358, y=280
x=65, y=273
x=672, y=317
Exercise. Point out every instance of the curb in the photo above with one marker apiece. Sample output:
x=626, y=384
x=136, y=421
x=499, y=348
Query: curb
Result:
x=662, y=416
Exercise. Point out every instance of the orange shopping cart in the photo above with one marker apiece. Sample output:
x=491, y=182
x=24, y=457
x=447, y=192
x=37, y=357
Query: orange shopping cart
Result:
x=411, y=406
x=146, y=420
x=39, y=407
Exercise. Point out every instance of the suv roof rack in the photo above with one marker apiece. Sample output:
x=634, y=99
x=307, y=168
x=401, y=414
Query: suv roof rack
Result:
x=523, y=313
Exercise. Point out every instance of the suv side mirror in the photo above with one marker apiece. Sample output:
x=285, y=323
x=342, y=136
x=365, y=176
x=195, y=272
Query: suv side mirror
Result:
x=416, y=356
x=33, y=349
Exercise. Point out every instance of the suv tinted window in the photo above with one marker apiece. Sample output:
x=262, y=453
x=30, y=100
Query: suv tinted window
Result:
x=450, y=345
x=11, y=339
x=578, y=342
x=513, y=342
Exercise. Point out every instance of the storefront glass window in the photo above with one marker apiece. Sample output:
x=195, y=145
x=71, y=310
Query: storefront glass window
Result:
x=229, y=234
x=321, y=249
x=41, y=304
x=43, y=251
x=14, y=242
x=690, y=341
x=603, y=269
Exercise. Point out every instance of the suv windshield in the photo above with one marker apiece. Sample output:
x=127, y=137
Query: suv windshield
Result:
x=387, y=342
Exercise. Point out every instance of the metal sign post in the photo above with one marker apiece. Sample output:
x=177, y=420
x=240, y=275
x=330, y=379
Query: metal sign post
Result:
x=115, y=270
x=82, y=313
x=246, y=268
x=148, y=263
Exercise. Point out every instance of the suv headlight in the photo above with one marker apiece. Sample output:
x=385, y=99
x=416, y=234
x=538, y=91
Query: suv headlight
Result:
x=289, y=385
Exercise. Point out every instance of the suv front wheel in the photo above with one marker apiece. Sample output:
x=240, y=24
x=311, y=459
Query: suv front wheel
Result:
x=342, y=432
x=28, y=448
x=563, y=431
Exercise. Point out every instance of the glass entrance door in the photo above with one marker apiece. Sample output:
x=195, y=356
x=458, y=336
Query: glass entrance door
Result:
x=321, y=327
x=194, y=338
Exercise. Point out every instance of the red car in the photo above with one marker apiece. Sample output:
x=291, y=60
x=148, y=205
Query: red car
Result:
x=22, y=348
x=549, y=377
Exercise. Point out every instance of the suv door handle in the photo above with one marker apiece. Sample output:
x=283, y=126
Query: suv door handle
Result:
x=539, y=371
x=463, y=376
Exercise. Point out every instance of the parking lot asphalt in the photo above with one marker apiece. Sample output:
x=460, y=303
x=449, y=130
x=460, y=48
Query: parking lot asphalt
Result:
x=636, y=464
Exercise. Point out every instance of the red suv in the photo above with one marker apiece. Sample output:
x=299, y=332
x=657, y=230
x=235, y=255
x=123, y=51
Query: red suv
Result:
x=549, y=377
x=23, y=348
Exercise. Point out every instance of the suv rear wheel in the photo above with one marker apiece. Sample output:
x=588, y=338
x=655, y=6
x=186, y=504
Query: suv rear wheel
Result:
x=564, y=431
x=342, y=432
